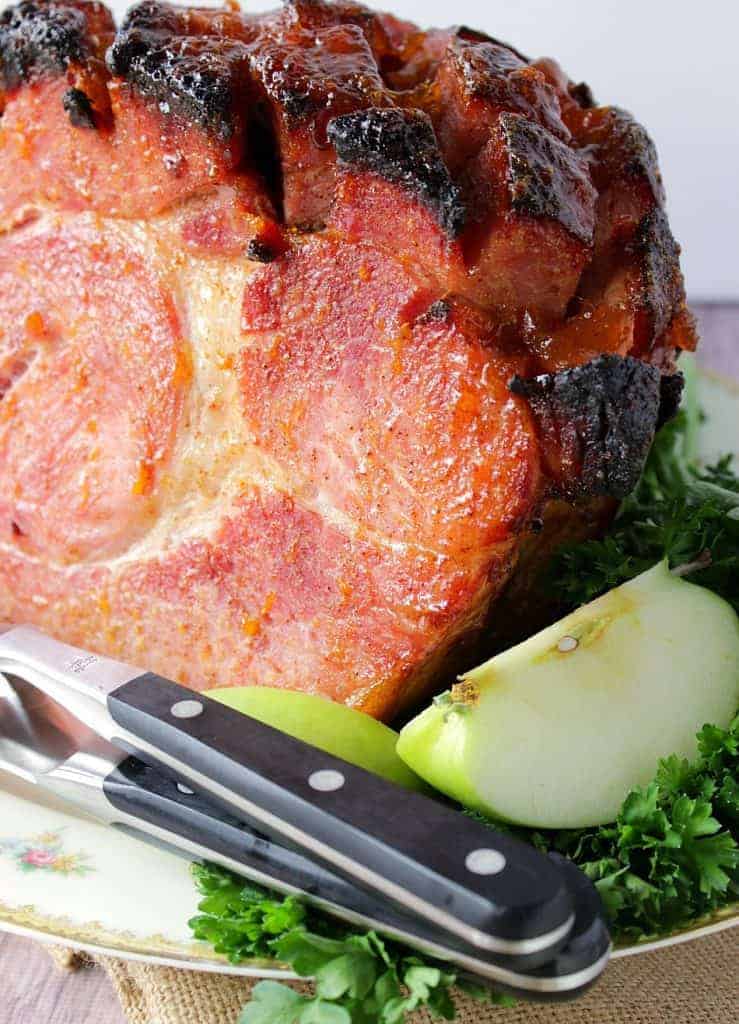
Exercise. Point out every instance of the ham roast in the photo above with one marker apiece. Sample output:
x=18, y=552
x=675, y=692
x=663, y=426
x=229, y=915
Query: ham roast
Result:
x=314, y=326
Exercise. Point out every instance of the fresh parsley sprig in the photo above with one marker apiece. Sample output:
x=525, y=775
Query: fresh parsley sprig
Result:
x=239, y=919
x=360, y=978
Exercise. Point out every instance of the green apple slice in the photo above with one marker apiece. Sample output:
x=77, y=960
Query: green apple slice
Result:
x=554, y=732
x=335, y=728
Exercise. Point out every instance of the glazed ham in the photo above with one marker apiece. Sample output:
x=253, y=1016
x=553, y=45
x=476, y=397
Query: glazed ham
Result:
x=309, y=320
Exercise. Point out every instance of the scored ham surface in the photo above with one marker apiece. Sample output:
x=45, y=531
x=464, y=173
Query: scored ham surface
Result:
x=312, y=323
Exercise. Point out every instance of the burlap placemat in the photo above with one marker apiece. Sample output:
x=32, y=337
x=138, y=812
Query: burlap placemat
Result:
x=693, y=983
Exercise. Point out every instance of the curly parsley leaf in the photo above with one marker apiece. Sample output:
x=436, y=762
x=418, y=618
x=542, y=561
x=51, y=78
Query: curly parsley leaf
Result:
x=359, y=978
x=240, y=919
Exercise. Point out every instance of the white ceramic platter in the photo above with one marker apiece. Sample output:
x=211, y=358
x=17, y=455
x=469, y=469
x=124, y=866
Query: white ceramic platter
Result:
x=68, y=880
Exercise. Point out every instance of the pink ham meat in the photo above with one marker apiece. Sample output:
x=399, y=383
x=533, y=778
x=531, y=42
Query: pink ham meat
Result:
x=307, y=318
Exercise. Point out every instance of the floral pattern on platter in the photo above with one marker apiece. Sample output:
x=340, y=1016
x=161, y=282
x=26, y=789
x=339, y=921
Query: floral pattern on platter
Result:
x=45, y=852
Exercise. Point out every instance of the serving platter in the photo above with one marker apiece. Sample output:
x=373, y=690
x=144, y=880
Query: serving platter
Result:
x=65, y=879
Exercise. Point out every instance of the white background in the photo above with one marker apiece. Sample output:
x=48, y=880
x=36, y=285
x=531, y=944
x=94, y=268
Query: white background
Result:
x=675, y=65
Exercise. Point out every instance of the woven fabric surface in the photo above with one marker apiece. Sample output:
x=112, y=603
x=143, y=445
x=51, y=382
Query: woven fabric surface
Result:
x=693, y=983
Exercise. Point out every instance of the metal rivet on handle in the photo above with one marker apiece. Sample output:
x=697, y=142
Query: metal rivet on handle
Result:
x=187, y=709
x=326, y=781
x=485, y=862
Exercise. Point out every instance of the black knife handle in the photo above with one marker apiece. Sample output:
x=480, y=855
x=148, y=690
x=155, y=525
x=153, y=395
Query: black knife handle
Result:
x=156, y=797
x=589, y=941
x=159, y=798
x=408, y=847
x=584, y=957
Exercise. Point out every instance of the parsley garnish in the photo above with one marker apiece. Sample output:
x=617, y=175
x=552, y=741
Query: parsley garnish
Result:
x=360, y=978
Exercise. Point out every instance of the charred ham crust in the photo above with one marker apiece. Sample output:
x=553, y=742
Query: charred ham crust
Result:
x=438, y=312
x=622, y=150
x=480, y=63
x=582, y=94
x=480, y=140
x=309, y=63
x=635, y=266
x=473, y=35
x=600, y=418
x=639, y=152
x=197, y=86
x=658, y=255
x=42, y=41
x=194, y=77
x=329, y=69
x=493, y=77
x=260, y=252
x=38, y=39
x=78, y=107
x=671, y=387
x=400, y=146
x=546, y=178
x=153, y=17
x=473, y=81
